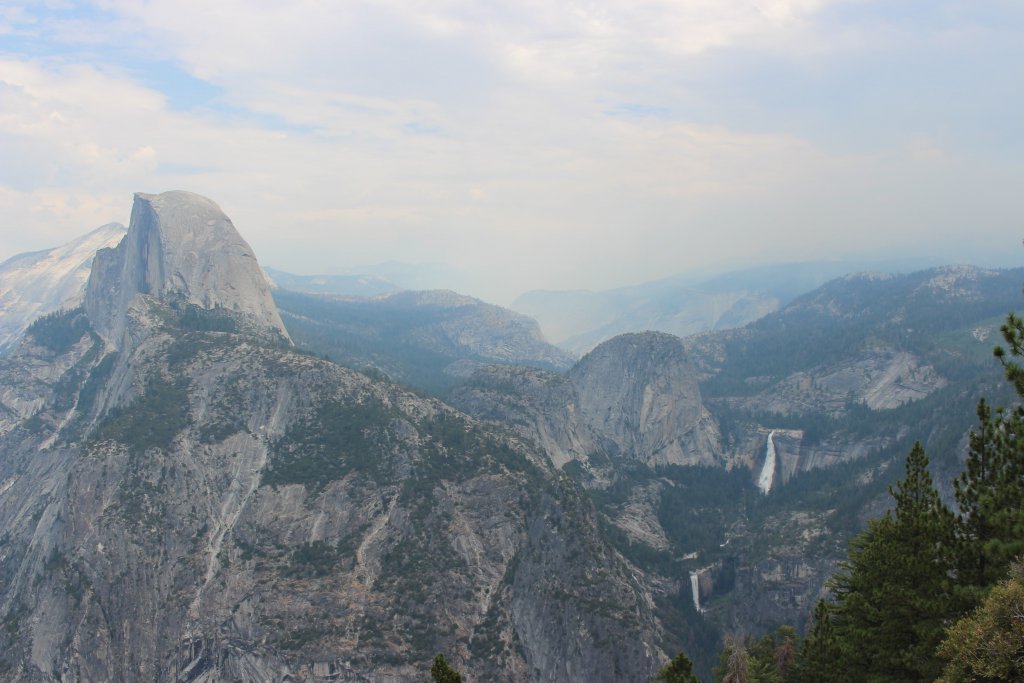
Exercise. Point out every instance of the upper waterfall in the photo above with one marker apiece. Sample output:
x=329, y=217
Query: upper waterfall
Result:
x=767, y=476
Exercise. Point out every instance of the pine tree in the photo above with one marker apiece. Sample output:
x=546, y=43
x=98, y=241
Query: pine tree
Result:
x=893, y=594
x=816, y=662
x=679, y=670
x=442, y=673
x=990, y=496
x=990, y=491
x=733, y=664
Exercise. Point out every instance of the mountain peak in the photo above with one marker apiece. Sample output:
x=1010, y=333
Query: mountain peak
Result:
x=179, y=246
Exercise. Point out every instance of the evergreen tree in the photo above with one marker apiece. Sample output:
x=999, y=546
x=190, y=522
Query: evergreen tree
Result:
x=442, y=673
x=893, y=594
x=816, y=662
x=991, y=499
x=679, y=670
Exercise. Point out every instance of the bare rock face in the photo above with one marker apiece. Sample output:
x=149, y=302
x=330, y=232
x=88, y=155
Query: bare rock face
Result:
x=641, y=392
x=180, y=246
x=632, y=398
x=36, y=284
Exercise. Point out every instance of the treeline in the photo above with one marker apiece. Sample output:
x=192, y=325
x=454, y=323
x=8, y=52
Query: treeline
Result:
x=927, y=592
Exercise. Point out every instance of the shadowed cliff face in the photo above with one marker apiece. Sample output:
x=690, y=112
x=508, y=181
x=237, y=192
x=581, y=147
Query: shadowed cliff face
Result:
x=201, y=503
x=179, y=246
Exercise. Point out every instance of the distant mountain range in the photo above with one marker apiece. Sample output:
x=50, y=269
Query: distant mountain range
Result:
x=579, y=320
x=345, y=285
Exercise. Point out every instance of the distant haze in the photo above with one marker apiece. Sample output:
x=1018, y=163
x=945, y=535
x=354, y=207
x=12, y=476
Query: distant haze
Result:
x=525, y=145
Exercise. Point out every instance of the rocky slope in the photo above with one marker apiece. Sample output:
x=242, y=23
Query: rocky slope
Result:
x=33, y=285
x=184, y=497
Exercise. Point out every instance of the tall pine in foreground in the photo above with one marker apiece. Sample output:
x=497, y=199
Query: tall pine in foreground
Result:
x=894, y=594
x=990, y=492
x=990, y=527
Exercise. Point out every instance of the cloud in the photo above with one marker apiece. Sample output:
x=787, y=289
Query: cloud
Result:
x=533, y=143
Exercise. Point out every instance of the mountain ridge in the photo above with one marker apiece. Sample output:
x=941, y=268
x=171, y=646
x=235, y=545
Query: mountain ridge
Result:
x=37, y=283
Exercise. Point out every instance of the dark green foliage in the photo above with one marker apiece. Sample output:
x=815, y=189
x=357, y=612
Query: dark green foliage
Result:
x=152, y=420
x=893, y=595
x=691, y=511
x=1013, y=333
x=61, y=330
x=441, y=672
x=989, y=493
x=818, y=657
x=772, y=658
x=338, y=437
x=192, y=318
x=97, y=378
x=733, y=664
x=679, y=670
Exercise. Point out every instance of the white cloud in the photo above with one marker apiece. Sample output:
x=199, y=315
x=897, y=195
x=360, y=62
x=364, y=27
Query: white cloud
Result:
x=562, y=144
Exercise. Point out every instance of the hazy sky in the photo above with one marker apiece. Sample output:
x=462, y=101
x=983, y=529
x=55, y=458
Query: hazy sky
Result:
x=528, y=144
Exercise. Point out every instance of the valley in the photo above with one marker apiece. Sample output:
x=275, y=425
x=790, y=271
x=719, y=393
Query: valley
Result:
x=205, y=478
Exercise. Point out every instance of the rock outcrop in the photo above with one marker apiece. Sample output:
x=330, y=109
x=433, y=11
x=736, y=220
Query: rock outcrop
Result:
x=640, y=391
x=634, y=398
x=181, y=247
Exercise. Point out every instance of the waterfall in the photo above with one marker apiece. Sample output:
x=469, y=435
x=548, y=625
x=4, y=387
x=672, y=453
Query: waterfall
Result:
x=764, y=482
x=695, y=589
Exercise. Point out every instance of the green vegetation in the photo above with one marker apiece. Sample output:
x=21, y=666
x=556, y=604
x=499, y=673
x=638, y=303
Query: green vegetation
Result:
x=311, y=560
x=893, y=596
x=988, y=644
x=61, y=330
x=150, y=421
x=441, y=672
x=679, y=670
x=338, y=437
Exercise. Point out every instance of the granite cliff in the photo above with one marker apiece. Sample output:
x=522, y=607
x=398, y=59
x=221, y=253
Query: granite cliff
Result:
x=181, y=249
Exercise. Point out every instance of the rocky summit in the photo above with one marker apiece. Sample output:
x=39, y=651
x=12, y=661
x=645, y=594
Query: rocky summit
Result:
x=180, y=247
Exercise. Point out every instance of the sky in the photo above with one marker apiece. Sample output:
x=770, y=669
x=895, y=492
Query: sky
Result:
x=529, y=144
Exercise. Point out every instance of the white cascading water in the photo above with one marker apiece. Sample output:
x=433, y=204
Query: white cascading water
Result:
x=695, y=589
x=764, y=482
